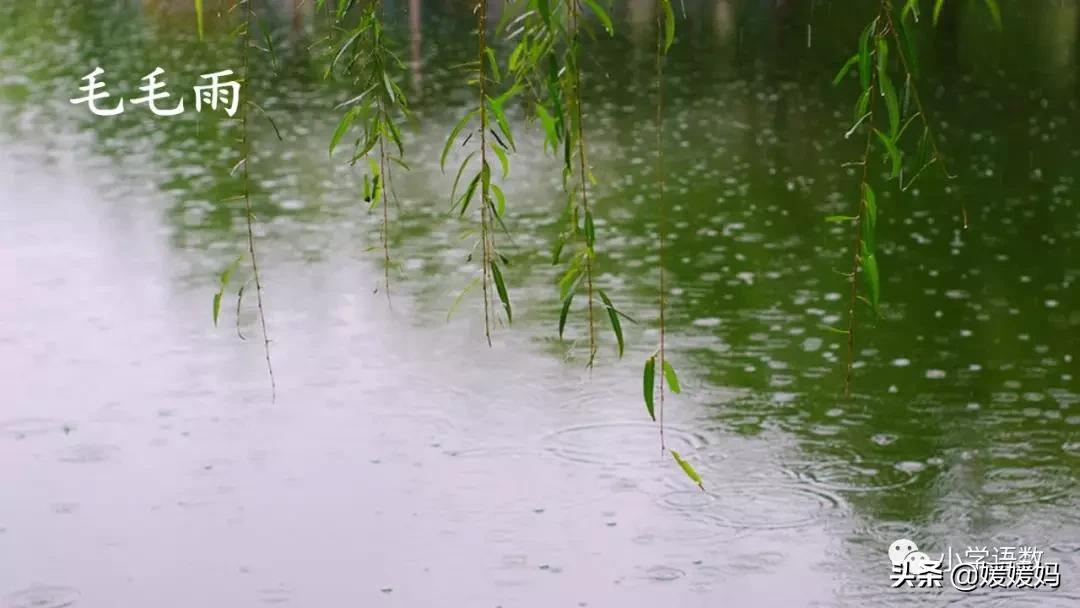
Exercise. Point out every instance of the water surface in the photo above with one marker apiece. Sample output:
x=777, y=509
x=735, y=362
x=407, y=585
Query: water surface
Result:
x=405, y=463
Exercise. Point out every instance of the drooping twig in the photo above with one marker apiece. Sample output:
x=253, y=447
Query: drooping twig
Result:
x=574, y=9
x=248, y=213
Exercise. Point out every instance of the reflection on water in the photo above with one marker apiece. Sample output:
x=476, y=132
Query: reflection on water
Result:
x=405, y=463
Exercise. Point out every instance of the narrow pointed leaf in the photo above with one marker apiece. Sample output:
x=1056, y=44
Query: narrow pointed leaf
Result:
x=500, y=286
x=616, y=325
x=669, y=25
x=672, y=378
x=872, y=278
x=869, y=226
x=564, y=313
x=688, y=469
x=892, y=102
x=342, y=129
x=845, y=70
x=647, y=380
x=601, y=14
x=217, y=306
x=892, y=151
x=199, y=17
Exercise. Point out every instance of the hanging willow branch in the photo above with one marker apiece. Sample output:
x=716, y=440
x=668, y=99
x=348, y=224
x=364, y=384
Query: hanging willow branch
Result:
x=249, y=214
x=488, y=115
x=365, y=55
x=547, y=61
x=243, y=34
x=874, y=68
x=665, y=37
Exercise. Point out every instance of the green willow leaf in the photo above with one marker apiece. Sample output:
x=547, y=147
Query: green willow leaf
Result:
x=556, y=251
x=909, y=47
x=389, y=88
x=910, y=7
x=669, y=25
x=602, y=15
x=616, y=325
x=223, y=278
x=342, y=129
x=872, y=278
x=869, y=223
x=504, y=162
x=500, y=119
x=457, y=178
x=551, y=134
x=892, y=151
x=565, y=312
x=217, y=306
x=568, y=282
x=500, y=201
x=545, y=10
x=469, y=192
x=882, y=55
x=995, y=11
x=199, y=20
x=864, y=55
x=840, y=218
x=862, y=107
x=590, y=230
x=938, y=5
x=648, y=378
x=892, y=102
x=845, y=70
x=500, y=286
x=688, y=469
x=493, y=63
x=672, y=378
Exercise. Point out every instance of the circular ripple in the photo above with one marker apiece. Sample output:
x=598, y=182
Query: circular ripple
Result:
x=762, y=506
x=620, y=443
x=43, y=596
x=1020, y=486
x=663, y=574
x=860, y=476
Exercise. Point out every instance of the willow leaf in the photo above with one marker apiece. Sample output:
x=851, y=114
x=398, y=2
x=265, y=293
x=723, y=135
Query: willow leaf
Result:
x=688, y=469
x=602, y=15
x=616, y=325
x=872, y=278
x=565, y=312
x=672, y=378
x=500, y=286
x=869, y=224
x=845, y=70
x=199, y=20
x=669, y=25
x=647, y=380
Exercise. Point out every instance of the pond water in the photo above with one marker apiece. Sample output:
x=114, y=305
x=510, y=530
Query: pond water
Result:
x=406, y=463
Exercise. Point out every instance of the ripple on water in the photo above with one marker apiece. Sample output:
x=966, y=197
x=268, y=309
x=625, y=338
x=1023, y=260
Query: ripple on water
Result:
x=662, y=574
x=756, y=506
x=620, y=444
x=1025, y=485
x=275, y=595
x=42, y=596
x=88, y=453
x=856, y=474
